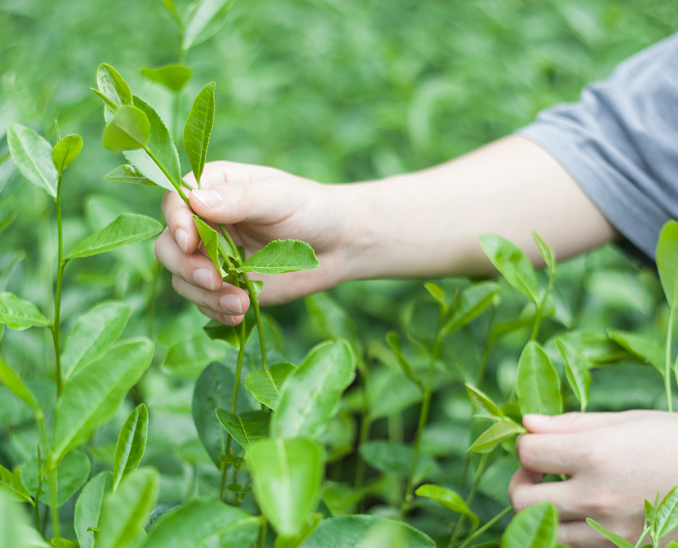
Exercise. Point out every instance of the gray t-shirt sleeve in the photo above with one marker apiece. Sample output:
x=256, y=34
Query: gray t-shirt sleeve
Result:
x=620, y=143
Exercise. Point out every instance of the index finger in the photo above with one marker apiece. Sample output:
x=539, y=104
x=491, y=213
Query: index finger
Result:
x=180, y=222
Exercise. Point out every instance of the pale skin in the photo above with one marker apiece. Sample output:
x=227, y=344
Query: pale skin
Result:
x=426, y=225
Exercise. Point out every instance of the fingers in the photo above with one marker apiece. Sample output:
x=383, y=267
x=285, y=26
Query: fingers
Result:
x=579, y=534
x=227, y=300
x=573, y=422
x=194, y=268
x=221, y=318
x=548, y=453
x=180, y=222
x=526, y=489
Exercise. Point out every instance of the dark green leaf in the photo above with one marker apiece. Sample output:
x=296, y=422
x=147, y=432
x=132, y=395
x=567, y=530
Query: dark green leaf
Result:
x=210, y=240
x=483, y=403
x=188, y=358
x=497, y=433
x=287, y=477
x=577, y=371
x=217, y=331
x=198, y=129
x=609, y=535
x=470, y=304
x=128, y=174
x=265, y=386
x=667, y=261
x=512, y=263
x=280, y=256
x=537, y=383
x=396, y=458
x=199, y=17
x=131, y=444
x=641, y=347
x=112, y=86
x=13, y=487
x=18, y=314
x=65, y=151
x=173, y=77
x=32, y=156
x=14, y=382
x=88, y=508
x=245, y=428
x=534, y=527
x=127, y=229
x=449, y=499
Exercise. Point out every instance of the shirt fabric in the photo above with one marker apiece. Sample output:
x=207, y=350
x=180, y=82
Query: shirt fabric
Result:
x=620, y=143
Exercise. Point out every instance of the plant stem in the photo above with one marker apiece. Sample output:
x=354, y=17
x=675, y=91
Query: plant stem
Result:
x=57, y=300
x=365, y=425
x=667, y=375
x=54, y=487
x=479, y=474
x=262, y=533
x=485, y=527
x=642, y=536
x=483, y=361
x=540, y=309
x=175, y=184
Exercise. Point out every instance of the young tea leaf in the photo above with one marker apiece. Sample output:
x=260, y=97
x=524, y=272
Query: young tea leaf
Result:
x=127, y=229
x=200, y=16
x=667, y=261
x=128, y=130
x=547, y=254
x=483, y=403
x=287, y=477
x=128, y=174
x=534, y=527
x=18, y=314
x=131, y=444
x=265, y=386
x=210, y=240
x=449, y=499
x=217, y=331
x=609, y=535
x=245, y=428
x=537, y=383
x=667, y=514
x=393, y=341
x=470, y=304
x=173, y=77
x=13, y=488
x=577, y=371
x=499, y=432
x=641, y=347
x=438, y=294
x=280, y=256
x=65, y=151
x=32, y=156
x=512, y=263
x=14, y=382
x=199, y=128
x=112, y=86
x=88, y=508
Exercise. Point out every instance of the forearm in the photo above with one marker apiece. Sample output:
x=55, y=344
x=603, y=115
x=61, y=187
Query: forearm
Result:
x=426, y=224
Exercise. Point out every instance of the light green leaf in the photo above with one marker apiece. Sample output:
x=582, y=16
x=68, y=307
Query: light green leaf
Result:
x=245, y=428
x=449, y=499
x=199, y=17
x=13, y=487
x=187, y=359
x=18, y=314
x=310, y=524
x=470, y=304
x=128, y=130
x=210, y=240
x=202, y=523
x=63, y=543
x=91, y=396
x=112, y=86
x=609, y=535
x=512, y=263
x=332, y=321
x=438, y=294
x=92, y=334
x=667, y=261
x=667, y=514
x=534, y=527
x=127, y=229
x=88, y=508
x=547, y=254
x=396, y=458
x=641, y=347
x=280, y=256
x=72, y=474
x=15, y=532
x=393, y=341
x=265, y=386
x=131, y=444
x=499, y=432
x=311, y=394
x=526, y=318
x=128, y=174
x=14, y=382
x=537, y=383
x=172, y=10
x=32, y=156
x=483, y=403
x=66, y=150
x=198, y=129
x=230, y=334
x=577, y=371
x=173, y=77
x=287, y=477
x=128, y=509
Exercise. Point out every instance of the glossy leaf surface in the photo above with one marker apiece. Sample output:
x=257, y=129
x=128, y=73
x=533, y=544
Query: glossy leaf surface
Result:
x=512, y=263
x=449, y=499
x=131, y=444
x=198, y=129
x=537, y=383
x=113, y=86
x=128, y=130
x=497, y=433
x=245, y=428
x=173, y=77
x=483, y=403
x=32, y=156
x=66, y=150
x=265, y=386
x=19, y=314
x=88, y=508
x=667, y=514
x=280, y=256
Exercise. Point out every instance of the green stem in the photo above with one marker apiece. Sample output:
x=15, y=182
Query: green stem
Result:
x=667, y=376
x=460, y=522
x=485, y=527
x=54, y=490
x=645, y=532
x=57, y=300
x=262, y=533
x=175, y=184
x=540, y=309
x=365, y=425
x=483, y=361
x=38, y=492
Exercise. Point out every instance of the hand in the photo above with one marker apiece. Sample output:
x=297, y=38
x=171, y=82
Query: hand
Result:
x=614, y=461
x=257, y=205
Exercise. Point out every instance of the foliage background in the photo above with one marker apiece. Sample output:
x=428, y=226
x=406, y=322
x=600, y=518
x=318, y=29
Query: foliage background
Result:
x=334, y=90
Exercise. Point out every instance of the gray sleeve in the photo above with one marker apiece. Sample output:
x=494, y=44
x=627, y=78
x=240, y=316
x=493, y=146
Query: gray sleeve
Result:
x=620, y=143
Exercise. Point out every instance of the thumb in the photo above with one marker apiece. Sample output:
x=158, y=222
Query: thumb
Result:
x=571, y=422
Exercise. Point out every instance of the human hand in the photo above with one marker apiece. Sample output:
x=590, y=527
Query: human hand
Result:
x=614, y=461
x=256, y=204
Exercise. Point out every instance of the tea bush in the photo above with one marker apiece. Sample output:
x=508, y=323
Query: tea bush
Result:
x=380, y=414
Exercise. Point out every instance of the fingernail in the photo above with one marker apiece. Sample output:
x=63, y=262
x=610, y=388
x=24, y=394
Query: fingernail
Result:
x=203, y=277
x=181, y=237
x=536, y=419
x=231, y=304
x=210, y=198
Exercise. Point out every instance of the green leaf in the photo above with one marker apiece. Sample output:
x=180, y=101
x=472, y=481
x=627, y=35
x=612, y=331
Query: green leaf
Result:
x=128, y=509
x=131, y=444
x=483, y=403
x=358, y=530
x=210, y=240
x=310, y=396
x=641, y=347
x=172, y=10
x=198, y=129
x=128, y=174
x=667, y=261
x=537, y=383
x=280, y=256
x=15, y=532
x=499, y=432
x=667, y=514
x=162, y=146
x=609, y=535
x=265, y=386
x=65, y=151
x=332, y=321
x=230, y=334
x=393, y=341
x=91, y=396
x=526, y=318
x=202, y=523
x=93, y=334
x=32, y=156
x=534, y=527
x=189, y=358
x=72, y=474
x=63, y=543
x=127, y=229
x=449, y=499
x=14, y=382
x=214, y=390
x=470, y=304
x=547, y=254
x=245, y=428
x=112, y=86
x=88, y=508
x=13, y=487
x=173, y=77
x=577, y=371
x=512, y=263
x=128, y=130
x=438, y=294
x=199, y=18
x=18, y=314
x=287, y=477
x=312, y=521
x=396, y=458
